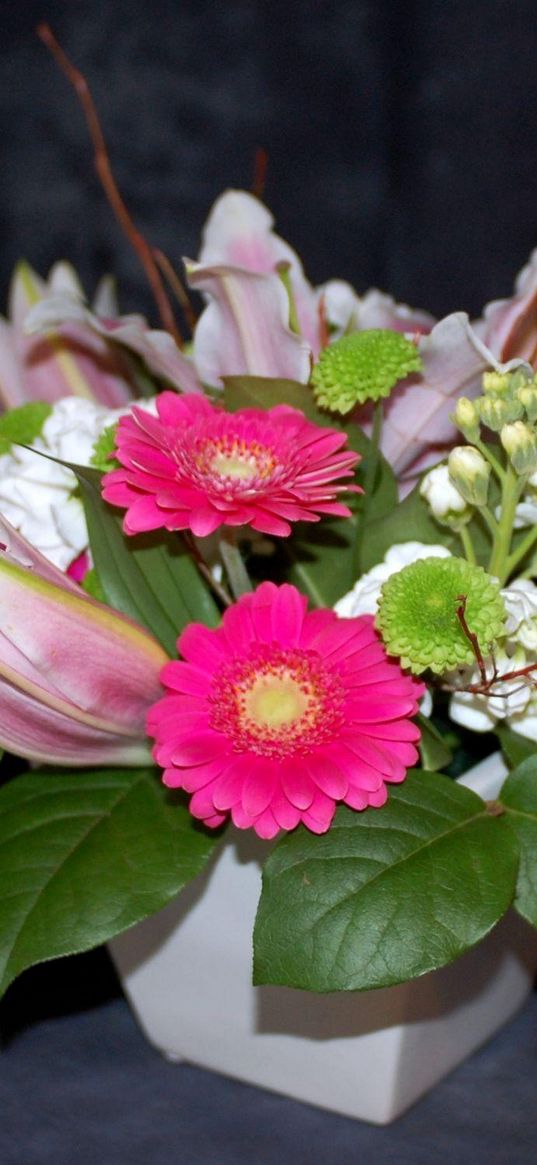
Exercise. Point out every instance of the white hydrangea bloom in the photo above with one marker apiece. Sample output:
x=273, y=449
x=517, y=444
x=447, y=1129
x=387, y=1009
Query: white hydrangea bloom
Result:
x=510, y=699
x=520, y=599
x=365, y=594
x=442, y=496
x=525, y=722
x=36, y=495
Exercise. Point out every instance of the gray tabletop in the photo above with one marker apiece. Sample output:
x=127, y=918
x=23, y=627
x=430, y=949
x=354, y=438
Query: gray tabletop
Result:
x=79, y=1084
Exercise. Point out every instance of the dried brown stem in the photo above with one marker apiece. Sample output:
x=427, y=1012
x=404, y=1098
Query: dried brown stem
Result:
x=260, y=171
x=471, y=637
x=104, y=170
x=177, y=287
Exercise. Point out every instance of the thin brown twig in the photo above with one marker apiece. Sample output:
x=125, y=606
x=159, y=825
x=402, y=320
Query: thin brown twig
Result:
x=471, y=637
x=260, y=171
x=104, y=170
x=177, y=287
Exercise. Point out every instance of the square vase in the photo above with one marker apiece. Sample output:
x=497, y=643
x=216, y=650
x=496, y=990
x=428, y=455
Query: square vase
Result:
x=187, y=974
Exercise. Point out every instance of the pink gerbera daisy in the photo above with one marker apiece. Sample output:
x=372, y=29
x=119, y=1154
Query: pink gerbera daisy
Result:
x=280, y=713
x=197, y=467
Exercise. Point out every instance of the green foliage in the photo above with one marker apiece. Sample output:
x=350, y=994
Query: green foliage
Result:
x=515, y=748
x=435, y=752
x=84, y=855
x=92, y=586
x=149, y=577
x=103, y=448
x=519, y=797
x=21, y=426
x=385, y=895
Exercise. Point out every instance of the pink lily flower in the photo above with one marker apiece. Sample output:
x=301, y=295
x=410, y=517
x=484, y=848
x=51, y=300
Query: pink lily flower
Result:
x=156, y=348
x=244, y=329
x=239, y=237
x=509, y=326
x=239, y=234
x=76, y=677
x=71, y=361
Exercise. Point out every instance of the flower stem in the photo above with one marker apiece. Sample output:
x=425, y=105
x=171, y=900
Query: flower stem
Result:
x=492, y=459
x=370, y=474
x=238, y=577
x=468, y=546
x=512, y=487
x=205, y=571
x=522, y=549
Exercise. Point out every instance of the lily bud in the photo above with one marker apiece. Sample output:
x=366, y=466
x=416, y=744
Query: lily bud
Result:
x=520, y=443
x=76, y=677
x=470, y=474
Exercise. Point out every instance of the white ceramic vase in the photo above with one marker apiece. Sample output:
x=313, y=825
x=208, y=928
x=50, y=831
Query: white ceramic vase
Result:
x=187, y=974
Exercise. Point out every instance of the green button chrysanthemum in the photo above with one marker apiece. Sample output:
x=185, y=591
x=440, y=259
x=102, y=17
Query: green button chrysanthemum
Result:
x=363, y=366
x=418, y=619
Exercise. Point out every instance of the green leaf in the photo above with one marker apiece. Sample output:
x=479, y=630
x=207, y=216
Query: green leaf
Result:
x=515, y=748
x=407, y=522
x=386, y=894
x=519, y=796
x=434, y=751
x=22, y=425
x=265, y=392
x=149, y=577
x=103, y=448
x=83, y=856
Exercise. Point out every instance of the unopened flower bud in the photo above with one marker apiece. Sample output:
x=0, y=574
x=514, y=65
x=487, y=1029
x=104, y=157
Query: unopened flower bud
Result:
x=527, y=396
x=497, y=383
x=495, y=411
x=520, y=443
x=466, y=418
x=470, y=474
x=447, y=504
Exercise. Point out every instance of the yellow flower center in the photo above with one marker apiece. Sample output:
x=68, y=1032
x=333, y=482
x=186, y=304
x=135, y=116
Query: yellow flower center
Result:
x=277, y=702
x=274, y=701
x=237, y=465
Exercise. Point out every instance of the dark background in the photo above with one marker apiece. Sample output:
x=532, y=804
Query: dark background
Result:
x=402, y=154
x=401, y=136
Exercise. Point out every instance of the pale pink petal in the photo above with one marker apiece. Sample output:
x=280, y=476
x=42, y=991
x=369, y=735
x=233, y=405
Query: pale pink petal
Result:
x=244, y=329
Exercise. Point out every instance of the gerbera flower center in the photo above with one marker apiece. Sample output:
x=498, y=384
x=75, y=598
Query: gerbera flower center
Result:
x=277, y=702
x=225, y=461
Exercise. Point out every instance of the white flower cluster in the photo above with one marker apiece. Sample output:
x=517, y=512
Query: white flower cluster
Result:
x=37, y=496
x=514, y=701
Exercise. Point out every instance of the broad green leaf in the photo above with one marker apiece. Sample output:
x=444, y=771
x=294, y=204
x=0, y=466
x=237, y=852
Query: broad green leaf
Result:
x=85, y=855
x=386, y=894
x=519, y=796
x=149, y=577
x=515, y=748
